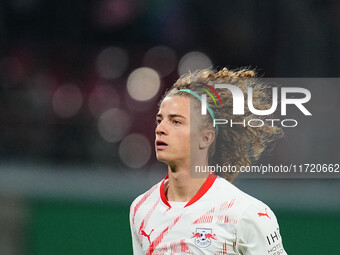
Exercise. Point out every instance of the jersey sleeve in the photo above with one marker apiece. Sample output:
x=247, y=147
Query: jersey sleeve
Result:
x=136, y=247
x=258, y=232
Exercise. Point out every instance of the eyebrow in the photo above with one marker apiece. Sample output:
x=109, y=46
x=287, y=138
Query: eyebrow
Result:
x=171, y=115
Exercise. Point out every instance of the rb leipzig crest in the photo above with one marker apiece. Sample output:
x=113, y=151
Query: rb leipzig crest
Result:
x=203, y=237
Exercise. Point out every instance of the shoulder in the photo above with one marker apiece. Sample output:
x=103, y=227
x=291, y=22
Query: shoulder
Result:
x=259, y=216
x=244, y=207
x=256, y=227
x=143, y=199
x=258, y=231
x=227, y=190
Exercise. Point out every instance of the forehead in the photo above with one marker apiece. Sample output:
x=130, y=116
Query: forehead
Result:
x=175, y=105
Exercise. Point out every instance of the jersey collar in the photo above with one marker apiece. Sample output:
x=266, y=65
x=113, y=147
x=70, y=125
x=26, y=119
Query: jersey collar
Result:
x=205, y=187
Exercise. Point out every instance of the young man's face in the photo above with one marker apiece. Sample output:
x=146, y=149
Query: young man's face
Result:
x=173, y=130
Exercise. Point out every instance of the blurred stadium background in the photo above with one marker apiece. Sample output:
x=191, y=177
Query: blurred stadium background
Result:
x=79, y=86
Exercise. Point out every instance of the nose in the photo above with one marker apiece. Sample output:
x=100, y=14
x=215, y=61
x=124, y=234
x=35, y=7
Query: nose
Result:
x=161, y=129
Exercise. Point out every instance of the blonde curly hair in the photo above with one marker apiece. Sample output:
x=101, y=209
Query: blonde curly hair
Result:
x=237, y=146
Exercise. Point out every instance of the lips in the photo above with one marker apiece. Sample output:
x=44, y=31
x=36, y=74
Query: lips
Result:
x=160, y=145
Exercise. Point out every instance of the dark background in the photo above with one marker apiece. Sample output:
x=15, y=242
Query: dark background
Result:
x=66, y=189
x=45, y=44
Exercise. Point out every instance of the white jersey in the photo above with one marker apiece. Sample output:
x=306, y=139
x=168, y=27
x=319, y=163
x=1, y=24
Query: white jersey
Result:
x=219, y=219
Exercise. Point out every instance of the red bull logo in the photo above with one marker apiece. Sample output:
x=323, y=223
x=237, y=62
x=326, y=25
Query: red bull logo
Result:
x=203, y=237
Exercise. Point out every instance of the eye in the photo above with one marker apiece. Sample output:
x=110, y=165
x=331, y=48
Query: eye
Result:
x=176, y=122
x=158, y=121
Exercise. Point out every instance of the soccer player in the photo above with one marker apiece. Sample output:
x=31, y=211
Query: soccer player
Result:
x=186, y=213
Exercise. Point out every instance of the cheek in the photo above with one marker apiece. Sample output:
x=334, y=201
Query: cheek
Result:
x=185, y=137
x=183, y=140
x=195, y=132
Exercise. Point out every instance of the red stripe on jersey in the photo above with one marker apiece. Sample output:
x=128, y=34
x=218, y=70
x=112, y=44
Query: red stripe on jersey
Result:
x=223, y=206
x=223, y=251
x=174, y=247
x=206, y=218
x=228, y=219
x=147, y=194
x=162, y=191
x=145, y=222
x=159, y=238
x=184, y=247
x=231, y=203
x=227, y=205
x=163, y=250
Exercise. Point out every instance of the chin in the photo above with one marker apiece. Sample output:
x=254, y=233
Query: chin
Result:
x=163, y=158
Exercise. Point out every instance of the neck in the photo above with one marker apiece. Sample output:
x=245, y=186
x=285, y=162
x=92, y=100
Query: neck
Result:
x=181, y=186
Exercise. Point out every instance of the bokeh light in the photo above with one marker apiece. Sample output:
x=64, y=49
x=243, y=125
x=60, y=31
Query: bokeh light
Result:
x=193, y=61
x=143, y=84
x=113, y=125
x=67, y=100
x=103, y=98
x=135, y=150
x=112, y=62
x=161, y=58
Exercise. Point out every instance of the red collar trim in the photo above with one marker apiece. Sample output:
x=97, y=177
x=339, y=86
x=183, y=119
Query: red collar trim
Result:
x=163, y=197
x=205, y=187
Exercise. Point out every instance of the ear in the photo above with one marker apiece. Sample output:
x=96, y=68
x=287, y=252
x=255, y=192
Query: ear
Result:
x=207, y=137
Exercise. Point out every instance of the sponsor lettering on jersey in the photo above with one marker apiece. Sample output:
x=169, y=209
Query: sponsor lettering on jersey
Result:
x=274, y=237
